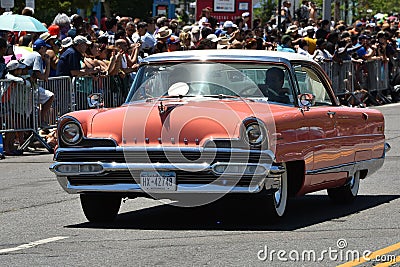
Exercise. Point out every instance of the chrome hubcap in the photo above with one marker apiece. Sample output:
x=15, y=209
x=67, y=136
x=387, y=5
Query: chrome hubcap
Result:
x=355, y=183
x=278, y=193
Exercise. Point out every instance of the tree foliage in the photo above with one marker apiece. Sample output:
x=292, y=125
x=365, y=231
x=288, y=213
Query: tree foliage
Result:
x=266, y=10
x=45, y=11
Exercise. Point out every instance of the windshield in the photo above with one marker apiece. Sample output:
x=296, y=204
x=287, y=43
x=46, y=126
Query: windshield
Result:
x=249, y=80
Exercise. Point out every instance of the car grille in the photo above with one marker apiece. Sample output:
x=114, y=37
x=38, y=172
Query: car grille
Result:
x=182, y=177
x=156, y=156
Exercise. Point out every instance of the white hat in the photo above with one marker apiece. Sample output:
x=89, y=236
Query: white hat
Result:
x=228, y=24
x=163, y=32
x=66, y=42
x=15, y=64
x=292, y=29
x=309, y=28
x=195, y=29
x=81, y=40
x=246, y=14
x=187, y=28
x=213, y=38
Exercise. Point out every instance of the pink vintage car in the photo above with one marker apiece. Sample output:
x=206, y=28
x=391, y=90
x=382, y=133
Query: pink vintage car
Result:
x=198, y=125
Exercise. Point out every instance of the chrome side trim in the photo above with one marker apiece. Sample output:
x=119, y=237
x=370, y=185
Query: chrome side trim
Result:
x=371, y=165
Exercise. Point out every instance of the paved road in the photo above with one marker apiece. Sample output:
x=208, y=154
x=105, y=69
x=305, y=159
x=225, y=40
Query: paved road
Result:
x=41, y=225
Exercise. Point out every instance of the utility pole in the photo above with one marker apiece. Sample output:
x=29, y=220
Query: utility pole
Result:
x=326, y=10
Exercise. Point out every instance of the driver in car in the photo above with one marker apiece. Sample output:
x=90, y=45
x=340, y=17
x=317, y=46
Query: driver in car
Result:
x=273, y=87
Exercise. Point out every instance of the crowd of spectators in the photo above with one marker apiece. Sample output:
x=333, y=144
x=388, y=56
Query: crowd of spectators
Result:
x=75, y=46
x=115, y=45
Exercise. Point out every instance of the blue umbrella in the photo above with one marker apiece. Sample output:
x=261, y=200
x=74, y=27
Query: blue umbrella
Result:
x=18, y=23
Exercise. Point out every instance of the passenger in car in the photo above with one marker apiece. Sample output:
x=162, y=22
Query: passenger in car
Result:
x=273, y=87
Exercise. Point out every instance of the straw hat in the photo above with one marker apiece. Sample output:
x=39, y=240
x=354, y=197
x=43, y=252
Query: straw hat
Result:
x=47, y=36
x=66, y=42
x=163, y=32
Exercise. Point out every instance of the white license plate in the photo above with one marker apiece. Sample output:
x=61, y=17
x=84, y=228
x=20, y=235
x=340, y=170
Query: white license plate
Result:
x=158, y=181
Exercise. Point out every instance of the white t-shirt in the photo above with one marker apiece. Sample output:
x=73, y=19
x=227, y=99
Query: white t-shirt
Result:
x=34, y=60
x=203, y=20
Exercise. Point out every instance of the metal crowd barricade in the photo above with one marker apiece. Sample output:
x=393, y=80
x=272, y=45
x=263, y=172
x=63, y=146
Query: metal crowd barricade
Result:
x=63, y=96
x=327, y=67
x=19, y=112
x=107, y=85
x=355, y=79
x=341, y=75
x=378, y=75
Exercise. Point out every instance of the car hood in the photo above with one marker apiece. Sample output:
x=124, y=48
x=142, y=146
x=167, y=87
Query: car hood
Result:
x=177, y=122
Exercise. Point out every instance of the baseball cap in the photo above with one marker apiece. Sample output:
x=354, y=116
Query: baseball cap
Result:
x=359, y=24
x=40, y=43
x=363, y=36
x=228, y=24
x=173, y=40
x=15, y=64
x=81, y=40
x=246, y=14
x=54, y=29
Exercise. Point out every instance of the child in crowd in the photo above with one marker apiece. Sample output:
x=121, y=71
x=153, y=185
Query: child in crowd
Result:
x=19, y=102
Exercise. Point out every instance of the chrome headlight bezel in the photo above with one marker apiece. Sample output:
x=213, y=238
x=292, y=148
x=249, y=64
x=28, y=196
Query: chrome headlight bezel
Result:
x=71, y=133
x=254, y=133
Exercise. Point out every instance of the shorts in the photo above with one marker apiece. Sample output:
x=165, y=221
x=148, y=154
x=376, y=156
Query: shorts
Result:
x=44, y=95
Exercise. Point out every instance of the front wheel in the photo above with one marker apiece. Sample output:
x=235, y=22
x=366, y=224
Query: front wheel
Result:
x=347, y=193
x=100, y=208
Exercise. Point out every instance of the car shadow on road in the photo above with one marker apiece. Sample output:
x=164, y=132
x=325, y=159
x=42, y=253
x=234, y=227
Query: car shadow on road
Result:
x=238, y=215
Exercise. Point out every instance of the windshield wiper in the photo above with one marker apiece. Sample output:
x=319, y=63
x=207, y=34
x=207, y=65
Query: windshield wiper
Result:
x=222, y=96
x=175, y=96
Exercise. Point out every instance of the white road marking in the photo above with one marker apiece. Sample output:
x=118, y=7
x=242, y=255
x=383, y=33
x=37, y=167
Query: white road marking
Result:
x=33, y=244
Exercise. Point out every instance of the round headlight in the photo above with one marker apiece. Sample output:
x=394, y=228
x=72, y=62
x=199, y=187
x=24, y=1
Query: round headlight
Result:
x=71, y=133
x=254, y=134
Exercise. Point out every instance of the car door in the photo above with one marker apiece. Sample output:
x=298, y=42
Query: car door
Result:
x=321, y=119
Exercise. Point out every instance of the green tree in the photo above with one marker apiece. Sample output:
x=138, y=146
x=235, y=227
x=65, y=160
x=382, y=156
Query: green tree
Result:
x=266, y=10
x=46, y=11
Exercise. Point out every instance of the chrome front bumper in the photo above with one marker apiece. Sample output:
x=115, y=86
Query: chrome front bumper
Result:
x=261, y=175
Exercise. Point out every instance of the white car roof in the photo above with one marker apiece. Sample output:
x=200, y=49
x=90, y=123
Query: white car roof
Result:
x=228, y=54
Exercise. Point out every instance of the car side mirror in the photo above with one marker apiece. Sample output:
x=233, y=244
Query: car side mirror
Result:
x=95, y=100
x=306, y=101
